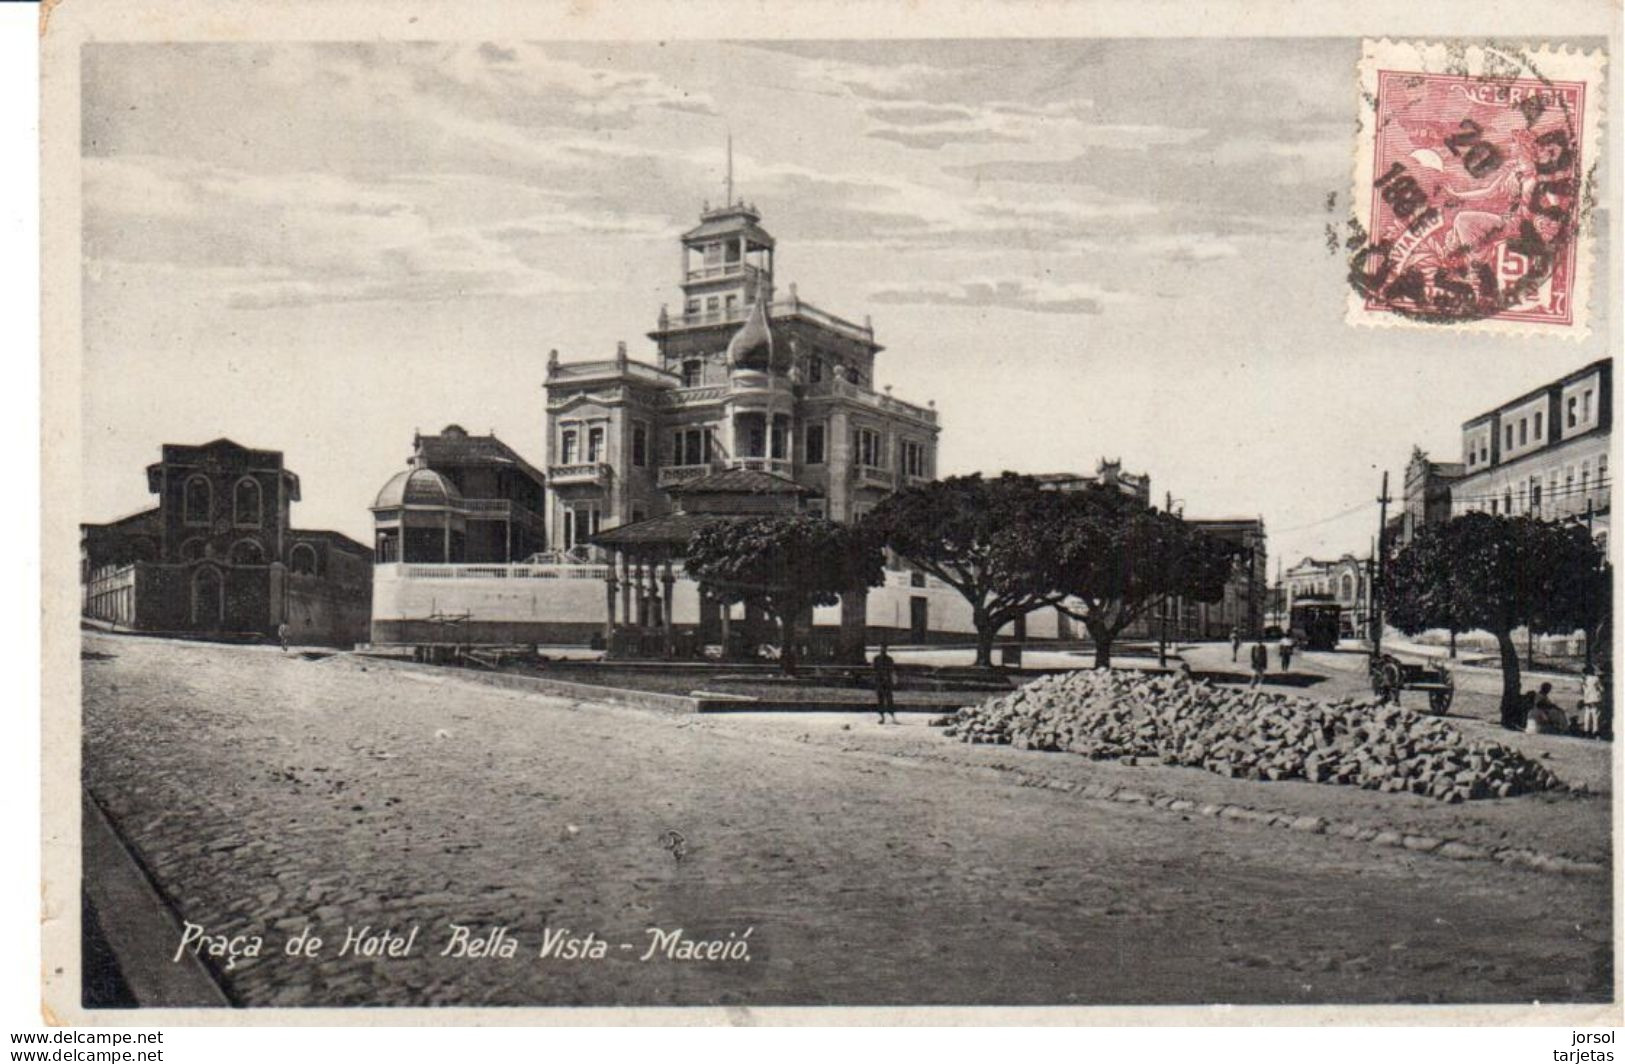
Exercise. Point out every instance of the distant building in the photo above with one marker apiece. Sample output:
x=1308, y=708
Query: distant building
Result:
x=1245, y=598
x=1543, y=454
x=462, y=498
x=218, y=555
x=1107, y=474
x=1426, y=496
x=1345, y=581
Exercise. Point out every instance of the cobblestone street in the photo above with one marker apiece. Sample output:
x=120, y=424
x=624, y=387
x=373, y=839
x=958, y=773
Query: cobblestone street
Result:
x=266, y=792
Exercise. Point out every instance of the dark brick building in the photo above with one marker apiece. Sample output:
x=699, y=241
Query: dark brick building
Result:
x=218, y=555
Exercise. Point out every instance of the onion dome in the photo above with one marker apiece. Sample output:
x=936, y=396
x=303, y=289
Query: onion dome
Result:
x=417, y=487
x=752, y=346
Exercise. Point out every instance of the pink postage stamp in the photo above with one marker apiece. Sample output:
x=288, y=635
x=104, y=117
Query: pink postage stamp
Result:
x=1474, y=176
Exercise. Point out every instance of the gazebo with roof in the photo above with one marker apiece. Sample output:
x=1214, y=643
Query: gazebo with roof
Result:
x=642, y=557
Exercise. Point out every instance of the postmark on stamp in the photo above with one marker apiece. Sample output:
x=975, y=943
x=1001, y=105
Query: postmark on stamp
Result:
x=1474, y=174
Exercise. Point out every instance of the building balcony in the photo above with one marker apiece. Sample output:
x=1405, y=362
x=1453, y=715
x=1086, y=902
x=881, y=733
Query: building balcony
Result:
x=865, y=476
x=782, y=309
x=831, y=388
x=578, y=473
x=782, y=466
x=669, y=476
x=723, y=271
x=694, y=395
x=503, y=510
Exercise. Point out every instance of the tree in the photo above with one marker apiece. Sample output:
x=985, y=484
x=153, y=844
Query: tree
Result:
x=1497, y=574
x=1118, y=558
x=783, y=564
x=990, y=540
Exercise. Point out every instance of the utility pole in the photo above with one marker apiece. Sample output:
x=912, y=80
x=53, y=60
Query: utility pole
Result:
x=1378, y=588
x=1162, y=606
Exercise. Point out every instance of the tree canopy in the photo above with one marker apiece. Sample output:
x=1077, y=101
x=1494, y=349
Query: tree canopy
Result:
x=783, y=564
x=992, y=540
x=1118, y=557
x=1498, y=573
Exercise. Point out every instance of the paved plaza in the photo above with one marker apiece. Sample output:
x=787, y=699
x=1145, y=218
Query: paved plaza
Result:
x=265, y=793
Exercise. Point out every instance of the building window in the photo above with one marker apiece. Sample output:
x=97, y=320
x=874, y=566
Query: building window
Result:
x=732, y=303
x=815, y=369
x=815, y=444
x=815, y=507
x=198, y=500
x=1585, y=480
x=1523, y=431
x=1506, y=502
x=1539, y=418
x=246, y=504
x=567, y=447
x=640, y=446
x=1509, y=436
x=247, y=552
x=693, y=371
x=595, y=444
x=712, y=304
x=1602, y=472
x=1574, y=405
x=913, y=458
x=692, y=307
x=302, y=559
x=580, y=523
x=192, y=550
x=1585, y=406
x=868, y=448
x=691, y=447
x=1534, y=494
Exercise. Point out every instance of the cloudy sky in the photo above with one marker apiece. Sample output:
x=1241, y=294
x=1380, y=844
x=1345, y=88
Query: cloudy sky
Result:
x=1078, y=249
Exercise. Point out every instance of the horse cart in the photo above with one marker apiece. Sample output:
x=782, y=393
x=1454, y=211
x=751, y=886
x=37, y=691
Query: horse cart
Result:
x=1390, y=676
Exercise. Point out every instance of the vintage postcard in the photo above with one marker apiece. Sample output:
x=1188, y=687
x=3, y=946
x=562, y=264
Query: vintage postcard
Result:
x=695, y=513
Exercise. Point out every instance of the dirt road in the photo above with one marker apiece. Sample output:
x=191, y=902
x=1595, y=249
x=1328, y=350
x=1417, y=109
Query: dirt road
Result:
x=269, y=792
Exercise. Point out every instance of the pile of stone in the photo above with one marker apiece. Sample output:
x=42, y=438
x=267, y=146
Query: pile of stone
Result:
x=1249, y=734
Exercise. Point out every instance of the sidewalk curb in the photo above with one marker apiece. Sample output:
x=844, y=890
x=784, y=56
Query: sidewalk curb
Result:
x=140, y=928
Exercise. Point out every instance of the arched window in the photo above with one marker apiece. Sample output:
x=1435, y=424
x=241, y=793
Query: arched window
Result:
x=198, y=500
x=1348, y=587
x=302, y=559
x=246, y=503
x=247, y=552
x=192, y=550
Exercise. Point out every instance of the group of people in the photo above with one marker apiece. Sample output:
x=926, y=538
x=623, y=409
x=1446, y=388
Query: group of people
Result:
x=1259, y=656
x=1537, y=714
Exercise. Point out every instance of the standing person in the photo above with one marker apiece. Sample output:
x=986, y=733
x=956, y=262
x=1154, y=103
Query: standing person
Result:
x=1591, y=703
x=885, y=673
x=1261, y=662
x=1235, y=644
x=282, y=635
x=1288, y=644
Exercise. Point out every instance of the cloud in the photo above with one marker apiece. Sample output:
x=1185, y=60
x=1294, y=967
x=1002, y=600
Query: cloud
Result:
x=1005, y=294
x=931, y=140
x=918, y=114
x=295, y=239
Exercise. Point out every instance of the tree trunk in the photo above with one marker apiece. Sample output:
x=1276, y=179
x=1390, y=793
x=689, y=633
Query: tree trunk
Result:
x=1102, y=637
x=986, y=632
x=1511, y=678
